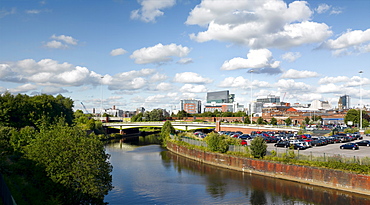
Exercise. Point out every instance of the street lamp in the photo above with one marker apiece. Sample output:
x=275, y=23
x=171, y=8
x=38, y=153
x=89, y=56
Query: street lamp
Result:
x=251, y=71
x=361, y=99
x=101, y=100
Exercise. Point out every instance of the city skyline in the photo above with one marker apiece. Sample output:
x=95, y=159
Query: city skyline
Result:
x=153, y=54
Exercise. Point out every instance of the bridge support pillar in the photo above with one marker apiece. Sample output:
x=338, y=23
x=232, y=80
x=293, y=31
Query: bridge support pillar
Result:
x=218, y=126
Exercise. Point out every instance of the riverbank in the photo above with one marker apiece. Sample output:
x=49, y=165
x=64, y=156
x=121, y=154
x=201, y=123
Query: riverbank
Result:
x=329, y=178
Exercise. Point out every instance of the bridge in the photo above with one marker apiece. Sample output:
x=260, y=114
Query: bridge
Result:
x=183, y=126
x=190, y=126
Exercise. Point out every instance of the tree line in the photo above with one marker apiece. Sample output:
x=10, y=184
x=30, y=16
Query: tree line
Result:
x=45, y=155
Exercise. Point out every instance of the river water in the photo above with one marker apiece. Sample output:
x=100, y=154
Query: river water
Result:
x=150, y=174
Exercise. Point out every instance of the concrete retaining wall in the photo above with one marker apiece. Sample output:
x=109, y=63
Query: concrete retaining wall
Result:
x=304, y=174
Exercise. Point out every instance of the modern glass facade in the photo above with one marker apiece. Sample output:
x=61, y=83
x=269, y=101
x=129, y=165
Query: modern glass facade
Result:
x=220, y=97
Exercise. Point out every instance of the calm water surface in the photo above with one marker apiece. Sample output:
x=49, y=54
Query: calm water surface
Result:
x=152, y=175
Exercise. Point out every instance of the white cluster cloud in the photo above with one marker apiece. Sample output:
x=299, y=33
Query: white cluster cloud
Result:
x=151, y=9
x=61, y=41
x=322, y=8
x=353, y=41
x=291, y=56
x=296, y=74
x=159, y=53
x=190, y=88
x=259, y=60
x=190, y=77
x=257, y=24
x=117, y=52
x=337, y=79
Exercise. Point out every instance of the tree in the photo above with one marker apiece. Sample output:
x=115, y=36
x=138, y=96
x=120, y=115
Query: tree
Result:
x=166, y=130
x=288, y=121
x=307, y=120
x=216, y=143
x=260, y=121
x=247, y=120
x=353, y=116
x=258, y=147
x=273, y=121
x=74, y=161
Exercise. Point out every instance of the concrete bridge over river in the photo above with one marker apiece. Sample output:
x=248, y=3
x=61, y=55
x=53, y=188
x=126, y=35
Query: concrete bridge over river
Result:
x=192, y=126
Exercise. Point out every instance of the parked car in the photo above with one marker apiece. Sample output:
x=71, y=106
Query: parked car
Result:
x=298, y=146
x=281, y=143
x=244, y=136
x=353, y=146
x=244, y=143
x=363, y=143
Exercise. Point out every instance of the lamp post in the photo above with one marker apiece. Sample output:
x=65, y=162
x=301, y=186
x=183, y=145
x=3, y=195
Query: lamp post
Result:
x=101, y=100
x=251, y=71
x=361, y=99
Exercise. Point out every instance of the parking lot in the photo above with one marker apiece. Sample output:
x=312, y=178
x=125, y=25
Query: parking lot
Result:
x=328, y=150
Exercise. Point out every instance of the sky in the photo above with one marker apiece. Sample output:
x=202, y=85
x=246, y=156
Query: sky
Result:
x=154, y=53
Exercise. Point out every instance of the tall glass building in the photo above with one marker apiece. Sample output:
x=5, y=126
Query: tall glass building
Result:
x=220, y=97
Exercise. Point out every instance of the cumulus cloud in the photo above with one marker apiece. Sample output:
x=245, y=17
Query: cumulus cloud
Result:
x=322, y=8
x=164, y=86
x=260, y=60
x=293, y=87
x=51, y=75
x=23, y=88
x=356, y=41
x=53, y=90
x=330, y=88
x=297, y=74
x=291, y=56
x=61, y=41
x=190, y=77
x=185, y=61
x=337, y=79
x=189, y=88
x=257, y=24
x=117, y=52
x=238, y=82
x=159, y=53
x=158, y=77
x=151, y=9
x=65, y=39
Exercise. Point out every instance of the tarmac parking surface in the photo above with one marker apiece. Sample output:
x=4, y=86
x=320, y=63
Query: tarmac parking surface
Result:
x=328, y=150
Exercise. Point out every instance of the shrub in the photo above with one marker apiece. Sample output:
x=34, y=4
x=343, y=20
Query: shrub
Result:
x=258, y=147
x=216, y=143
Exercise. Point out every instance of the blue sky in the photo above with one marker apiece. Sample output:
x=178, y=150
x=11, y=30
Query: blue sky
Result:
x=152, y=54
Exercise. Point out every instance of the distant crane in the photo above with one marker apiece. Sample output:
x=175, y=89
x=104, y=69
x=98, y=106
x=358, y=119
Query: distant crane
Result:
x=84, y=108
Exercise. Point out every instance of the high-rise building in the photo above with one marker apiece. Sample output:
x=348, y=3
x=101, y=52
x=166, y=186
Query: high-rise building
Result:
x=220, y=97
x=269, y=99
x=191, y=106
x=344, y=102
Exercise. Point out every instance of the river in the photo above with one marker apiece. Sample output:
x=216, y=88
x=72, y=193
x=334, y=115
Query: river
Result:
x=149, y=174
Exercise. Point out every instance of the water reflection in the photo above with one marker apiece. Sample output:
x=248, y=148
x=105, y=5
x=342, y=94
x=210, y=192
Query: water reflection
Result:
x=151, y=175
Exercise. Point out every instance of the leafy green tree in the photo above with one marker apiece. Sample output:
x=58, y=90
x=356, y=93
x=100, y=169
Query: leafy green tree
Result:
x=258, y=147
x=273, y=121
x=247, y=120
x=288, y=121
x=353, y=116
x=76, y=162
x=137, y=118
x=240, y=114
x=260, y=121
x=23, y=137
x=166, y=130
x=216, y=143
x=226, y=114
x=307, y=120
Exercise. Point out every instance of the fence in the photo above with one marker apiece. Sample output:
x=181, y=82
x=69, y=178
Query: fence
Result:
x=296, y=154
x=321, y=157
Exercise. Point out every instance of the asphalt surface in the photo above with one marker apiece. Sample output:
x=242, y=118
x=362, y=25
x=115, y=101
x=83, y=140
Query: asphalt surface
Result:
x=328, y=150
